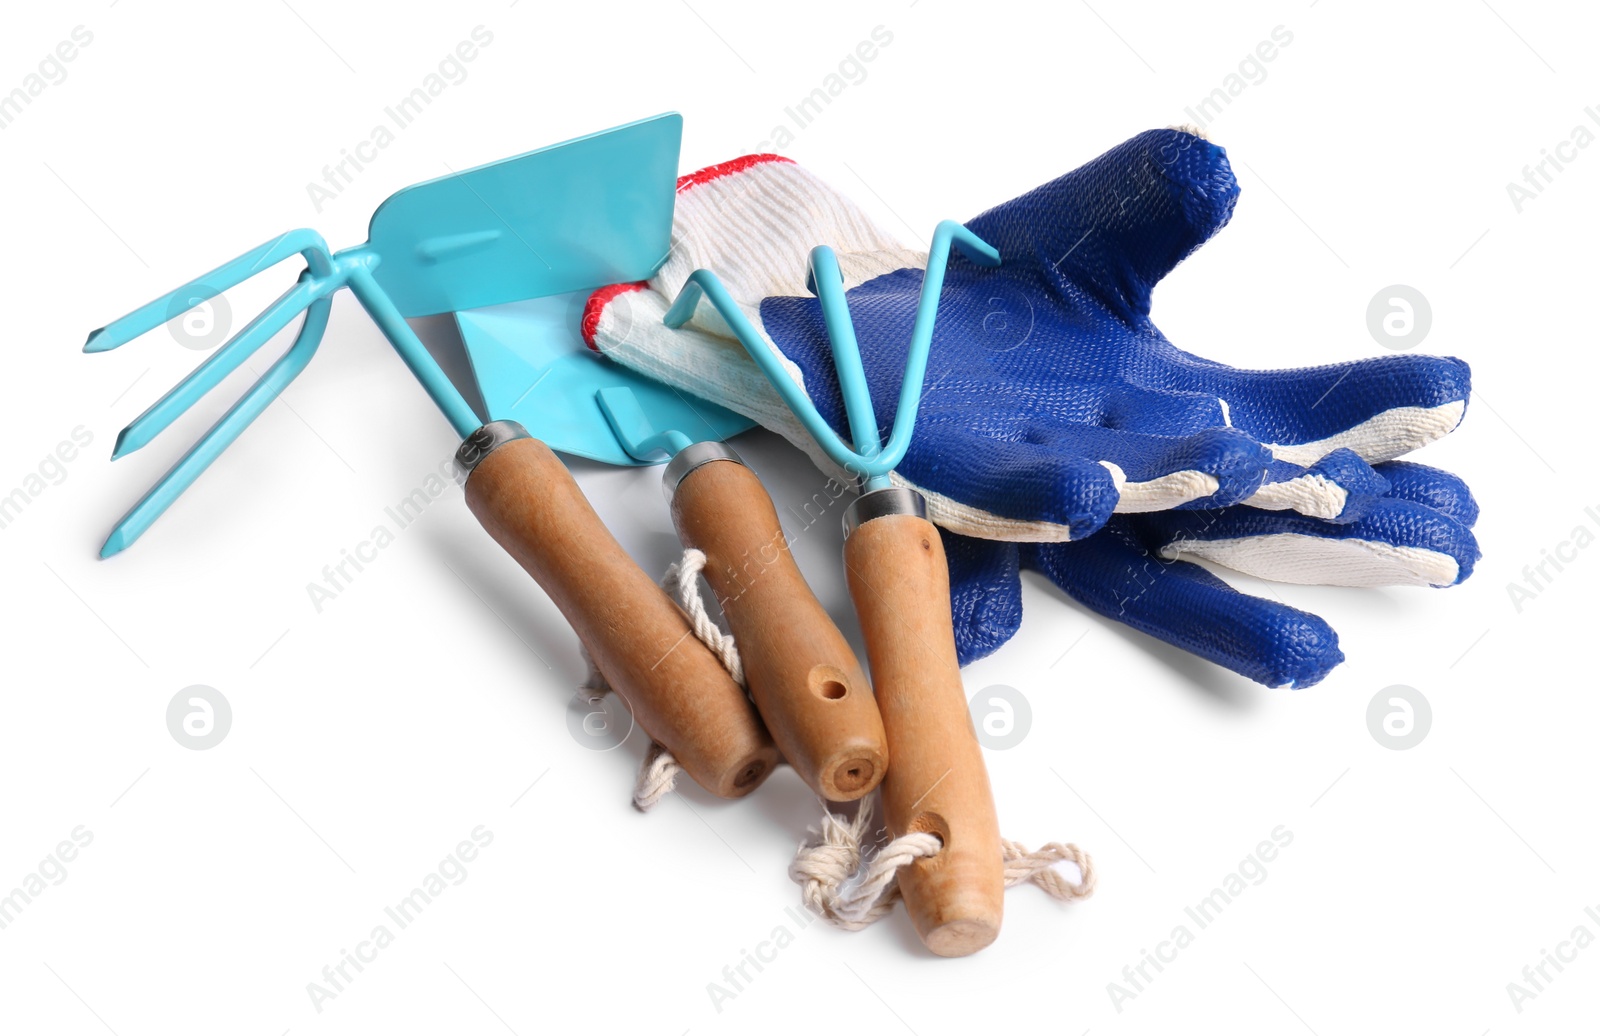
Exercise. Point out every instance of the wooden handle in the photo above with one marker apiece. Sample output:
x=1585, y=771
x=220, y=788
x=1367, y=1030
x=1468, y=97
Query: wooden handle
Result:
x=640, y=639
x=937, y=782
x=804, y=677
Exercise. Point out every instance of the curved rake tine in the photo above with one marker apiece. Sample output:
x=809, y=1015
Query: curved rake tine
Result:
x=707, y=285
x=218, y=366
x=828, y=283
x=868, y=459
x=161, y=495
x=157, y=312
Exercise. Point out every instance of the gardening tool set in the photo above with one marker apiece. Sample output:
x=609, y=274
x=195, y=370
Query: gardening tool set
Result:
x=1040, y=420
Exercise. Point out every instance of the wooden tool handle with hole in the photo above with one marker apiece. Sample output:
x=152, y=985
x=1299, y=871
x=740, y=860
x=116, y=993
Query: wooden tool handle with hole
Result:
x=805, y=679
x=638, y=637
x=937, y=781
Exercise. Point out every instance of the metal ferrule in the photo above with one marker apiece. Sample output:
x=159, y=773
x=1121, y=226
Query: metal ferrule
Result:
x=693, y=456
x=880, y=503
x=484, y=441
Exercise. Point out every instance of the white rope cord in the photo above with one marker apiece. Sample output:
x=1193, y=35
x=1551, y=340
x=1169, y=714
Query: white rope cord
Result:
x=844, y=885
x=840, y=880
x=1039, y=867
x=658, y=771
x=683, y=582
x=658, y=776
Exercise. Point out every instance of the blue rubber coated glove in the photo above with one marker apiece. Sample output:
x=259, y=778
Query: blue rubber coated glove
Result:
x=1054, y=406
x=1054, y=401
x=1048, y=368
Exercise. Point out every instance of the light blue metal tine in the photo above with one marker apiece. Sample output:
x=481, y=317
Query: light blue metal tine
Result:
x=836, y=313
x=846, y=351
x=611, y=219
x=870, y=460
x=707, y=285
x=171, y=485
x=153, y=314
x=218, y=366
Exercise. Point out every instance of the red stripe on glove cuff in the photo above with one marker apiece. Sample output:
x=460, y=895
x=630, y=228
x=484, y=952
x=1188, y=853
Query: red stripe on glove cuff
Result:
x=728, y=168
x=597, y=304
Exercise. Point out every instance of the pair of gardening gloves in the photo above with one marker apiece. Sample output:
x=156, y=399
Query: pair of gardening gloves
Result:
x=1059, y=430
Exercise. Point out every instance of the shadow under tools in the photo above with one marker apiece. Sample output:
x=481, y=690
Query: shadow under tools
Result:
x=512, y=595
x=656, y=551
x=1223, y=686
x=515, y=599
x=441, y=336
x=787, y=809
x=1220, y=685
x=632, y=506
x=790, y=813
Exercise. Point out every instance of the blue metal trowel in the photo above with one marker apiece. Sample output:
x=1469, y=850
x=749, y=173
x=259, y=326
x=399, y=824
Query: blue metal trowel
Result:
x=531, y=365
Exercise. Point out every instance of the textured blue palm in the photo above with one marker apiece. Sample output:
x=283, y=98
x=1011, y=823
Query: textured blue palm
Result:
x=1046, y=366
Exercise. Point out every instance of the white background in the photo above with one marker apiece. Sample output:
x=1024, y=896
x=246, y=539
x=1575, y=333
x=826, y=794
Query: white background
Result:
x=369, y=739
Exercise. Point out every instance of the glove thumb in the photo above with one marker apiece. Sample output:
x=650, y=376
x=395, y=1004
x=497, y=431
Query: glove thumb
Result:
x=1117, y=224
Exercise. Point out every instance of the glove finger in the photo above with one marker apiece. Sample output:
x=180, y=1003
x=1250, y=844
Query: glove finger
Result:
x=985, y=594
x=1431, y=487
x=1381, y=408
x=1396, y=543
x=1114, y=574
x=1050, y=484
x=1340, y=487
x=1012, y=487
x=1120, y=222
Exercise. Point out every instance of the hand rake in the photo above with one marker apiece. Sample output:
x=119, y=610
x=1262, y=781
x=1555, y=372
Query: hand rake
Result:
x=591, y=211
